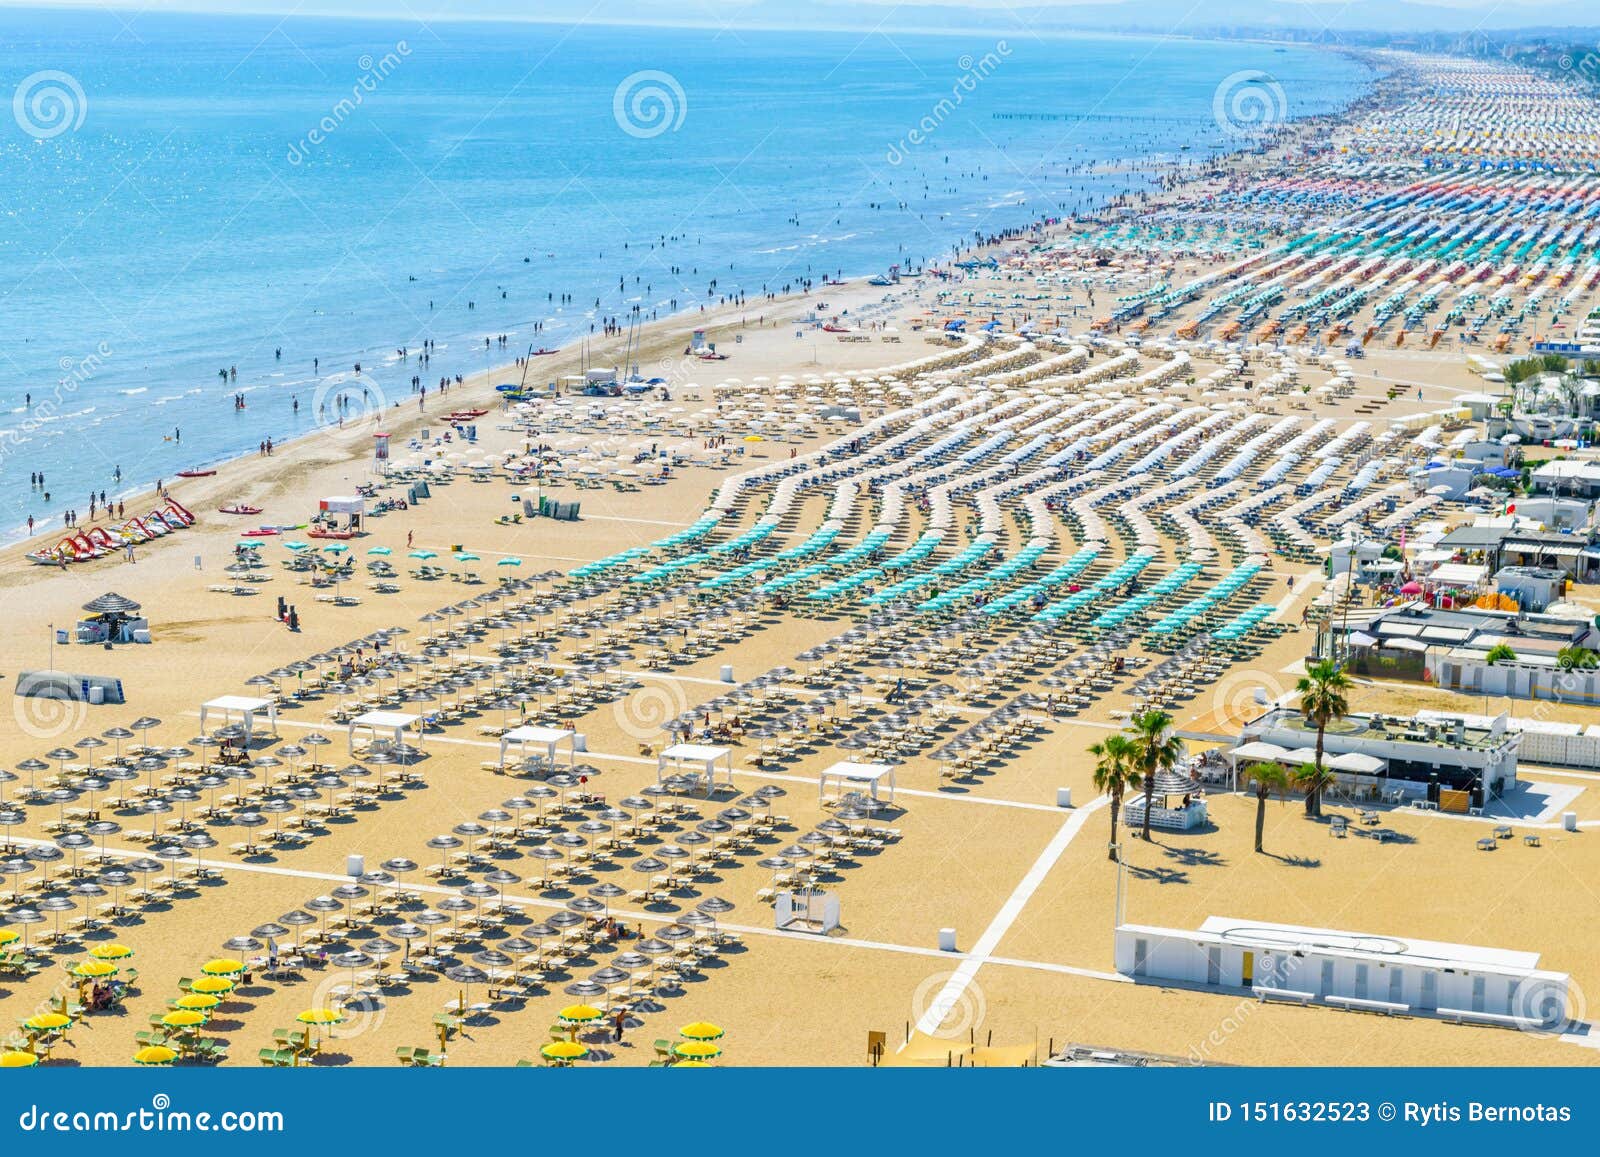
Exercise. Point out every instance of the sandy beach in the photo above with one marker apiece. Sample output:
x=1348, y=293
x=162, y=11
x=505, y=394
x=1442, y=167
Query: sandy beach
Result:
x=976, y=840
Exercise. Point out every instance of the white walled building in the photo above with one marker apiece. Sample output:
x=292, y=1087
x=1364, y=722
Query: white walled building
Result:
x=1350, y=970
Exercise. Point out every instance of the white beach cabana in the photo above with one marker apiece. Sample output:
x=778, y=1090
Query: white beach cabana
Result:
x=845, y=773
x=246, y=707
x=375, y=722
x=706, y=757
x=547, y=737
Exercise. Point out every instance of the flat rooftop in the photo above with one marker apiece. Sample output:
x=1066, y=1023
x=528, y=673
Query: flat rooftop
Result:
x=1386, y=729
x=1288, y=937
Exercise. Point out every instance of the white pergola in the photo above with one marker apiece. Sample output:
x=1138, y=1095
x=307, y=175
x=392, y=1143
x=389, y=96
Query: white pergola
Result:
x=246, y=707
x=707, y=757
x=547, y=737
x=870, y=774
x=1256, y=751
x=376, y=721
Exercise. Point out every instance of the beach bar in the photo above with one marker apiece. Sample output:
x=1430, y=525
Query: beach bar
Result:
x=1350, y=970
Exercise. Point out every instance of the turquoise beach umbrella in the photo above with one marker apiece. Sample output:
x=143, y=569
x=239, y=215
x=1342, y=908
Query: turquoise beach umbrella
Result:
x=509, y=562
x=424, y=554
x=295, y=545
x=466, y=556
x=380, y=550
x=336, y=548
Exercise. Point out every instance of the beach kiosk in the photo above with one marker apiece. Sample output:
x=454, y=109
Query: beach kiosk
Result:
x=1176, y=804
x=377, y=722
x=338, y=516
x=548, y=738
x=245, y=707
x=706, y=759
x=843, y=774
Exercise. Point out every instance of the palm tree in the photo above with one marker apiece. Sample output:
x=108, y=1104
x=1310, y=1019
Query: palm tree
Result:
x=1156, y=749
x=1267, y=779
x=1323, y=699
x=1115, y=772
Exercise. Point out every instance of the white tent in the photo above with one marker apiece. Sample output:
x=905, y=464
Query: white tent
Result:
x=247, y=709
x=376, y=721
x=705, y=756
x=845, y=772
x=547, y=737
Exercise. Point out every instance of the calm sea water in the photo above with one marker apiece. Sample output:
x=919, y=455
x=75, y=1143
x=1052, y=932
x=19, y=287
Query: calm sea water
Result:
x=184, y=194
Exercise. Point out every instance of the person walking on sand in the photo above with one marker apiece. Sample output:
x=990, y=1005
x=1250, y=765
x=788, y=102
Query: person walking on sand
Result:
x=619, y=1021
x=409, y=533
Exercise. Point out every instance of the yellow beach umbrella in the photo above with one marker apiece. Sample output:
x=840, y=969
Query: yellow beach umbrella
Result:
x=93, y=969
x=580, y=1013
x=9, y=936
x=17, y=1059
x=701, y=1030
x=697, y=1050
x=155, y=1055
x=184, y=1018
x=111, y=951
x=215, y=985
x=222, y=967
x=563, y=1050
x=198, y=1002
x=47, y=1021
x=321, y=1016
x=691, y=1065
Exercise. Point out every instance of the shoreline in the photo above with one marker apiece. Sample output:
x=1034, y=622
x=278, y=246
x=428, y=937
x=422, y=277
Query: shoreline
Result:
x=1140, y=175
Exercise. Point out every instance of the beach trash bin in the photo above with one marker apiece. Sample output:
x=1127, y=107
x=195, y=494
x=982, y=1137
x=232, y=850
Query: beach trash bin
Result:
x=947, y=940
x=1063, y=797
x=63, y=638
x=1569, y=820
x=727, y=672
x=580, y=741
x=97, y=694
x=355, y=864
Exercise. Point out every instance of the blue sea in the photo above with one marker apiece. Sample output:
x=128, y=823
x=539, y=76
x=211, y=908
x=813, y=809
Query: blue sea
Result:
x=183, y=195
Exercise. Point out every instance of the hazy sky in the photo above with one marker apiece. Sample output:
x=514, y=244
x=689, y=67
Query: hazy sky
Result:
x=622, y=8
x=1495, y=13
